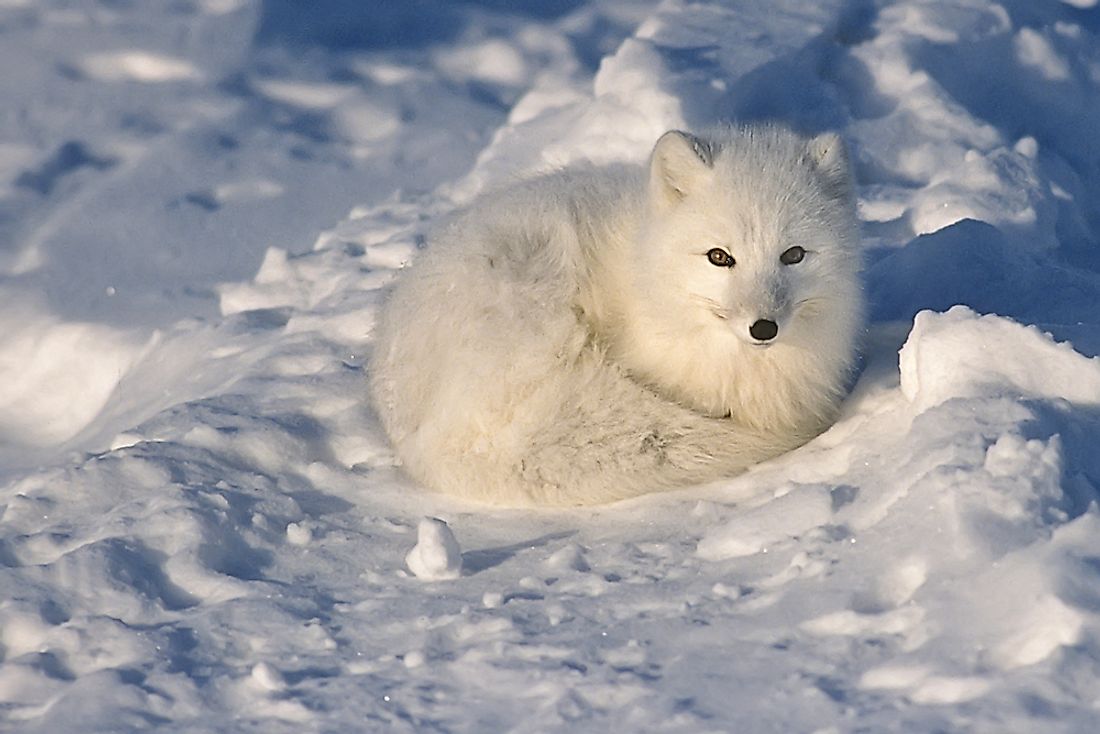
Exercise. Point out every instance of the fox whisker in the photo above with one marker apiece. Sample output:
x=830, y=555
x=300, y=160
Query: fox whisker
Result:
x=713, y=306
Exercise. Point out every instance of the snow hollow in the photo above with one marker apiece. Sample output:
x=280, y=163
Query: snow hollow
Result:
x=202, y=528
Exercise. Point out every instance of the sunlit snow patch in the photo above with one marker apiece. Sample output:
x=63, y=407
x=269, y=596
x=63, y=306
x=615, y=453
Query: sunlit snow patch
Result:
x=138, y=66
x=56, y=376
x=316, y=96
x=754, y=531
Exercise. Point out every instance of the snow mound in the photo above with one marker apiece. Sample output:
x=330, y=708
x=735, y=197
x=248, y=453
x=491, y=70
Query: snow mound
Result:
x=960, y=354
x=436, y=555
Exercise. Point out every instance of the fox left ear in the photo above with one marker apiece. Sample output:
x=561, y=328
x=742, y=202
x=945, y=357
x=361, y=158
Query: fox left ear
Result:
x=829, y=156
x=679, y=165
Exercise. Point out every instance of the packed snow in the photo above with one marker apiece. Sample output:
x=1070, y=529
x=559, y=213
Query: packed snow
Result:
x=202, y=527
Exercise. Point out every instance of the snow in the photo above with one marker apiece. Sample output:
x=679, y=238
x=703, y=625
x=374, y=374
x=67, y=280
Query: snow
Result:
x=139, y=66
x=203, y=528
x=436, y=555
x=959, y=354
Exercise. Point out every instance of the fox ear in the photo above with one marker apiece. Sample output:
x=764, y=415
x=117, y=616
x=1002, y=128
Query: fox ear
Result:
x=829, y=156
x=679, y=165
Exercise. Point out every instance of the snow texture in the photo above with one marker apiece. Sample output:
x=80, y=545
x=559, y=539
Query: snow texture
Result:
x=203, y=529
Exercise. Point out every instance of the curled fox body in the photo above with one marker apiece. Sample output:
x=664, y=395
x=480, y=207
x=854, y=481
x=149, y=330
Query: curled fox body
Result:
x=597, y=333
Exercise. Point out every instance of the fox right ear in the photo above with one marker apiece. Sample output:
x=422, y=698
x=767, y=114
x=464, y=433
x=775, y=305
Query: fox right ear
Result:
x=829, y=157
x=680, y=163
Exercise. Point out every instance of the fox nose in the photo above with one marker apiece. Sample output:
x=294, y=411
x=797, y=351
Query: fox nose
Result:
x=764, y=330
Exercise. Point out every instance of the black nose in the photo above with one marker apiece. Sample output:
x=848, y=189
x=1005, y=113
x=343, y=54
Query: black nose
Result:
x=764, y=330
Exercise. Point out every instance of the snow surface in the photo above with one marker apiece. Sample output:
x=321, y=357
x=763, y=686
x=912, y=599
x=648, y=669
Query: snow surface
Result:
x=202, y=527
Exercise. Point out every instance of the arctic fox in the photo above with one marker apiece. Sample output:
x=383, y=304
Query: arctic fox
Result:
x=597, y=333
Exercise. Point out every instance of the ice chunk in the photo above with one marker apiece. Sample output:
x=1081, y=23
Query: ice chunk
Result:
x=568, y=558
x=299, y=533
x=267, y=677
x=436, y=555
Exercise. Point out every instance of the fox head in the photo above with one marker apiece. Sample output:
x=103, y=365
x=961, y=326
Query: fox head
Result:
x=748, y=247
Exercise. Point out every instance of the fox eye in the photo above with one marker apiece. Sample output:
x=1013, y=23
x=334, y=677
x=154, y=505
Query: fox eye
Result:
x=721, y=258
x=792, y=255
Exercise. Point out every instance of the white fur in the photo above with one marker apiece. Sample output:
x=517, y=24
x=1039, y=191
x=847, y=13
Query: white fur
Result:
x=567, y=341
